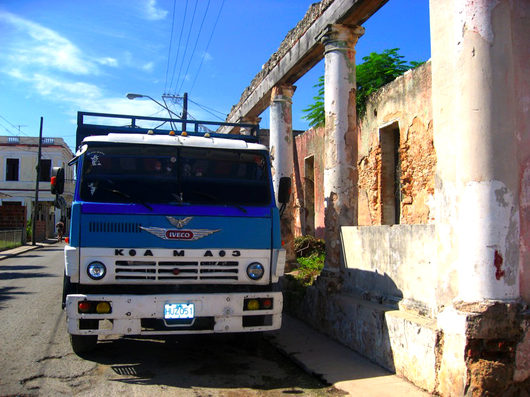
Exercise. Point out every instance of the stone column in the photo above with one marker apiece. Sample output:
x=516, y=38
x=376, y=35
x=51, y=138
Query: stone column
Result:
x=487, y=160
x=281, y=150
x=251, y=120
x=340, y=173
x=477, y=65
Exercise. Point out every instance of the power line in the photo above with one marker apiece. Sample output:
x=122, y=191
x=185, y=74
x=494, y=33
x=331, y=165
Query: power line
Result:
x=14, y=126
x=178, y=47
x=209, y=110
x=195, y=46
x=207, y=46
x=170, y=43
x=8, y=130
x=157, y=113
x=187, y=41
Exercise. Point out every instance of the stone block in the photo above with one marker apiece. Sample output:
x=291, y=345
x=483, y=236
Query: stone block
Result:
x=413, y=342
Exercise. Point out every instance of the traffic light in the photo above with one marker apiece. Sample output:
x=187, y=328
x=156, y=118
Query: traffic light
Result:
x=57, y=180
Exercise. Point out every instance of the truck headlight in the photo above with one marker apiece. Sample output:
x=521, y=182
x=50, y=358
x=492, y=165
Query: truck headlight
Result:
x=255, y=270
x=96, y=270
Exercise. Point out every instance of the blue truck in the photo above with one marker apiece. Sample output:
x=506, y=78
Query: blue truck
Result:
x=172, y=232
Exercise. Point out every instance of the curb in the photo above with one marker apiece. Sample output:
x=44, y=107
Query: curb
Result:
x=23, y=249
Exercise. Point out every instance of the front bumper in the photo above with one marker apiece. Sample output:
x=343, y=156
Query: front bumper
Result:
x=143, y=314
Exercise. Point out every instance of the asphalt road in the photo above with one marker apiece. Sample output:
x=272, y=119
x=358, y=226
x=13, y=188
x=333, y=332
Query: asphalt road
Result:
x=36, y=358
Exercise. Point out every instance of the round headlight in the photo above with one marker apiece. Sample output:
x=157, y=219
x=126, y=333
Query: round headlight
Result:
x=255, y=270
x=96, y=270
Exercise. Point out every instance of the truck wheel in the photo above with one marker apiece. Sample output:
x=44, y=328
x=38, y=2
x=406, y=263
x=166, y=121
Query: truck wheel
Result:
x=82, y=344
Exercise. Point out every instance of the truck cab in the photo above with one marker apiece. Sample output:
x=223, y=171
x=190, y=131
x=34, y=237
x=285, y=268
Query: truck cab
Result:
x=171, y=233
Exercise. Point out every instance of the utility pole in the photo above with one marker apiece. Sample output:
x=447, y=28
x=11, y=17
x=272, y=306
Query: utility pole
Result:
x=184, y=115
x=34, y=217
x=184, y=110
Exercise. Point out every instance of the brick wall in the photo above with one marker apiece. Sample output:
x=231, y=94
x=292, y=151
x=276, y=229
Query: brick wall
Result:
x=12, y=216
x=309, y=211
x=40, y=231
x=401, y=107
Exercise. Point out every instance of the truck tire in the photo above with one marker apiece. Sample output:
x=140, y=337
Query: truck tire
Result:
x=82, y=344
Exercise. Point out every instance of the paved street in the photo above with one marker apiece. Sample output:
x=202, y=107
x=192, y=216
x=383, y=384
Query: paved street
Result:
x=36, y=358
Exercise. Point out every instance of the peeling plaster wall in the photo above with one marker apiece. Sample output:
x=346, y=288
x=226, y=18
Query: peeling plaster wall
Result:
x=405, y=101
x=521, y=43
x=392, y=264
x=310, y=143
x=481, y=80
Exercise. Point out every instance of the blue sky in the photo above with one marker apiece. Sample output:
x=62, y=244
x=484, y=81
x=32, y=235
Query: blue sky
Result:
x=59, y=57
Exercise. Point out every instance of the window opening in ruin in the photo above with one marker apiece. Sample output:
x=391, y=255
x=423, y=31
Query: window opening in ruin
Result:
x=12, y=169
x=390, y=175
x=309, y=195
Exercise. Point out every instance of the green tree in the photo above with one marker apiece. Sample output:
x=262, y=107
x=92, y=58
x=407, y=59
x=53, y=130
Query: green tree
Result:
x=315, y=112
x=377, y=70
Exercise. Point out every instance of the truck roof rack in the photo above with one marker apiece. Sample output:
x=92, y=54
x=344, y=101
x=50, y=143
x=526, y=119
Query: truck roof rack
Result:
x=131, y=125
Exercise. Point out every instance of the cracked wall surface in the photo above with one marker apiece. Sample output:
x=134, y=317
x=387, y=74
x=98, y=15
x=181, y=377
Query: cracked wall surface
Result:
x=405, y=103
x=307, y=145
x=401, y=101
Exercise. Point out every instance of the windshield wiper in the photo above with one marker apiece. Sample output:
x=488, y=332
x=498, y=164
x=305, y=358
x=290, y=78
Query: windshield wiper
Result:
x=130, y=198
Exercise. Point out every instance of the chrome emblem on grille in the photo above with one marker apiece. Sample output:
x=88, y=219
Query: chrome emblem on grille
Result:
x=179, y=234
x=179, y=223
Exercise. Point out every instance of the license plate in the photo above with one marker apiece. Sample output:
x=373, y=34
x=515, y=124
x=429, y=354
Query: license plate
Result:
x=179, y=311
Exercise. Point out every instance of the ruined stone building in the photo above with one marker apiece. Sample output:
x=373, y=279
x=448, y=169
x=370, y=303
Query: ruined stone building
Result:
x=424, y=202
x=396, y=160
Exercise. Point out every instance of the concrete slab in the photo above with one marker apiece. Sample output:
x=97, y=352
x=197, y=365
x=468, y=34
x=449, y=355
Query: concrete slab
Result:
x=337, y=365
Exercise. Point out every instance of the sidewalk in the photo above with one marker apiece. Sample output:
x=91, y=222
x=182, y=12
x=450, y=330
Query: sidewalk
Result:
x=338, y=365
x=24, y=248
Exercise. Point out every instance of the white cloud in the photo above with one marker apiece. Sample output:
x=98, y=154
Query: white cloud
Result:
x=148, y=67
x=107, y=61
x=74, y=92
x=207, y=57
x=43, y=47
x=153, y=13
x=54, y=68
x=87, y=97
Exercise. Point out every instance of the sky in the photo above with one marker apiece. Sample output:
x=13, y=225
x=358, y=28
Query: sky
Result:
x=60, y=57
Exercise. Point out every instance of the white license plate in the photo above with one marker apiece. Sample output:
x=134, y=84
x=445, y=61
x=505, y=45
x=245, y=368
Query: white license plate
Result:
x=179, y=311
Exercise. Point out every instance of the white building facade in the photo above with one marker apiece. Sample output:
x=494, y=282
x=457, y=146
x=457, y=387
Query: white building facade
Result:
x=18, y=173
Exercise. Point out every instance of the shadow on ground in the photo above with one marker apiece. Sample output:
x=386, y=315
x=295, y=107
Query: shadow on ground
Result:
x=208, y=361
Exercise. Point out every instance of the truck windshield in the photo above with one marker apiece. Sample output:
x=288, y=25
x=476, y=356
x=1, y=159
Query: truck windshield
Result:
x=174, y=175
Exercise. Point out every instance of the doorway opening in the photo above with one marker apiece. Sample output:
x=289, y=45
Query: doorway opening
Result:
x=309, y=195
x=389, y=138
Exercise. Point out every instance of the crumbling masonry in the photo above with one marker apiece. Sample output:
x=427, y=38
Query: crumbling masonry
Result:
x=424, y=202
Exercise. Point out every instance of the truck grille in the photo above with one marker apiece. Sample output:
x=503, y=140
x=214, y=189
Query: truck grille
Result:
x=177, y=270
x=114, y=227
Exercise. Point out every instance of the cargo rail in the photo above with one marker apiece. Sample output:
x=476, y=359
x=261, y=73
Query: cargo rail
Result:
x=133, y=124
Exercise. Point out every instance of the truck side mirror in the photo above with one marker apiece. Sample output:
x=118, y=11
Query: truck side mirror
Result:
x=57, y=180
x=284, y=190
